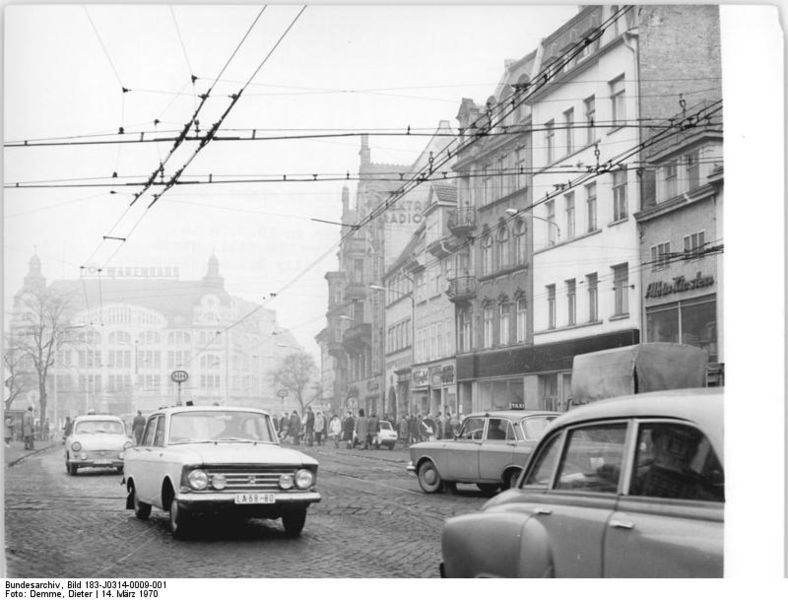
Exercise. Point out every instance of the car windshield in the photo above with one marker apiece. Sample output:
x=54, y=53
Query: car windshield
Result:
x=90, y=427
x=219, y=426
x=534, y=427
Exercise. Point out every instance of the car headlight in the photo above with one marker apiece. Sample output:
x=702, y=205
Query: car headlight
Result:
x=218, y=481
x=198, y=480
x=127, y=445
x=76, y=446
x=286, y=481
x=304, y=479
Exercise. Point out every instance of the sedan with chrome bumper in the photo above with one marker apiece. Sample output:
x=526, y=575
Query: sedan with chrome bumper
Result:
x=196, y=461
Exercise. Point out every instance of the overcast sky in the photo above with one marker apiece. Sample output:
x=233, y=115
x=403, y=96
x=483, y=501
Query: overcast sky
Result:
x=339, y=68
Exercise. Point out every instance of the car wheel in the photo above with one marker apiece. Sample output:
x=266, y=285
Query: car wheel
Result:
x=514, y=475
x=293, y=522
x=179, y=520
x=391, y=446
x=429, y=479
x=141, y=509
x=488, y=489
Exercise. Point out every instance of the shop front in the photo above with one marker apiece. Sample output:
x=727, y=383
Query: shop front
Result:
x=420, y=397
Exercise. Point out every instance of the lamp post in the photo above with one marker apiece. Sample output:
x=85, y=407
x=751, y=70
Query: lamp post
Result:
x=411, y=297
x=516, y=211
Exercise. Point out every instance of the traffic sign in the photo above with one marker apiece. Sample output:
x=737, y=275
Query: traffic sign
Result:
x=179, y=376
x=282, y=393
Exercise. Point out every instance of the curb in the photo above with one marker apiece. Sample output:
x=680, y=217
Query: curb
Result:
x=33, y=453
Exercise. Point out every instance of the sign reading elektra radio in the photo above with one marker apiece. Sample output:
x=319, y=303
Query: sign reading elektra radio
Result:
x=91, y=271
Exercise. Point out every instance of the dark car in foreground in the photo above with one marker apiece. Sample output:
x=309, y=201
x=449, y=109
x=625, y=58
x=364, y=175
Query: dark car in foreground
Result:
x=628, y=487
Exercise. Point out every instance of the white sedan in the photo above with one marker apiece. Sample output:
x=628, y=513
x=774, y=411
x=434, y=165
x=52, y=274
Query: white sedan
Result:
x=96, y=441
x=217, y=460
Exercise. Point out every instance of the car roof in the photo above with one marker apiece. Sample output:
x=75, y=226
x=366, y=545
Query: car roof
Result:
x=513, y=414
x=187, y=409
x=702, y=406
x=97, y=418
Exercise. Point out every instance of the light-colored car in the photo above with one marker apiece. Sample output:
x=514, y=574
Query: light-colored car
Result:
x=217, y=460
x=386, y=436
x=96, y=441
x=491, y=449
x=629, y=487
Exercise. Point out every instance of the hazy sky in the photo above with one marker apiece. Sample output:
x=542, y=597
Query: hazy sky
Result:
x=346, y=68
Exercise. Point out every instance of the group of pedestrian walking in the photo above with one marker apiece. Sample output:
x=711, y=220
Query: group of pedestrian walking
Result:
x=412, y=429
x=313, y=428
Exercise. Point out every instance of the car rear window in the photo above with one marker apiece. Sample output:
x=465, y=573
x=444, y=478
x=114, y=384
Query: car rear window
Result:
x=534, y=427
x=91, y=427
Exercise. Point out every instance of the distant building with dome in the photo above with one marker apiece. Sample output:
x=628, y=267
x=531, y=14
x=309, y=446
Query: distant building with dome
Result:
x=133, y=326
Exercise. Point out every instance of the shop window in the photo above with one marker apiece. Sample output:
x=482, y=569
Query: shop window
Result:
x=699, y=327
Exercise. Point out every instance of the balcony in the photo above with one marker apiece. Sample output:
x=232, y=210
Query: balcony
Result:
x=336, y=349
x=462, y=289
x=356, y=337
x=355, y=290
x=442, y=247
x=462, y=221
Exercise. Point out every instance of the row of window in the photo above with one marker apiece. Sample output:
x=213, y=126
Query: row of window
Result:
x=398, y=336
x=497, y=323
x=620, y=298
x=505, y=251
x=693, y=248
x=145, y=338
x=435, y=341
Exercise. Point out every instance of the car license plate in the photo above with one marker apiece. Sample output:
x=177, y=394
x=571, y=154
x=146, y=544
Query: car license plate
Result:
x=102, y=461
x=254, y=499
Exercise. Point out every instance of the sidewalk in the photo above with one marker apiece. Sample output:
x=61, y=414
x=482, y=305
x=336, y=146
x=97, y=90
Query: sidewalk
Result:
x=16, y=451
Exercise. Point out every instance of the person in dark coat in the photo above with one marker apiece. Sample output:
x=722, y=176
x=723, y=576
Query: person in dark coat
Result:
x=67, y=427
x=348, y=426
x=403, y=430
x=373, y=423
x=137, y=427
x=309, y=426
x=28, y=428
x=295, y=428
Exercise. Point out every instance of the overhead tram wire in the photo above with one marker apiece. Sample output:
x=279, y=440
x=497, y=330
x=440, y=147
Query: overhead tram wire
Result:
x=185, y=56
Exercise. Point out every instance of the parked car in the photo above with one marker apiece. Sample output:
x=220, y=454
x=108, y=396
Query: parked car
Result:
x=629, y=487
x=490, y=450
x=96, y=441
x=195, y=461
x=386, y=436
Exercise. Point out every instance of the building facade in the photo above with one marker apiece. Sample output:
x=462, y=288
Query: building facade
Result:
x=132, y=327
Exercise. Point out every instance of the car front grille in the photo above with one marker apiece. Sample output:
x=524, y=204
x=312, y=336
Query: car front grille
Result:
x=103, y=453
x=251, y=478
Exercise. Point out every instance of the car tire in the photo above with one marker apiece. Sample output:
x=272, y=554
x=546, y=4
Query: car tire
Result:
x=488, y=489
x=429, y=479
x=391, y=446
x=293, y=522
x=179, y=520
x=141, y=509
x=512, y=477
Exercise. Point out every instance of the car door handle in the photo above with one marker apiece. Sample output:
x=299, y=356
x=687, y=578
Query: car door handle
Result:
x=618, y=524
x=543, y=511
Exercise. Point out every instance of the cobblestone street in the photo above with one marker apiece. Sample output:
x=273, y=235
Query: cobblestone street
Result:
x=373, y=521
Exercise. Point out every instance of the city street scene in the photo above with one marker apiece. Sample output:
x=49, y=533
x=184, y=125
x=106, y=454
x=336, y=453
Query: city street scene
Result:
x=363, y=291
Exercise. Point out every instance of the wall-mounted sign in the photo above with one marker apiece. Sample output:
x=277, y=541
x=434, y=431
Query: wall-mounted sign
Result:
x=421, y=377
x=91, y=271
x=447, y=374
x=435, y=377
x=282, y=393
x=679, y=284
x=179, y=376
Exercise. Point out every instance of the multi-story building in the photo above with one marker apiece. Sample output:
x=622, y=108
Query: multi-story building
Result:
x=418, y=308
x=131, y=327
x=491, y=286
x=356, y=320
x=586, y=257
x=680, y=223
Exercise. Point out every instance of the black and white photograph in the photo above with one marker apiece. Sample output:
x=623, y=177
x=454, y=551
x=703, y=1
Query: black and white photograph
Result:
x=380, y=291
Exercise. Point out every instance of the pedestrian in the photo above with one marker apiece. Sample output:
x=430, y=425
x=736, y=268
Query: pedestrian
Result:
x=454, y=425
x=373, y=426
x=403, y=430
x=447, y=433
x=28, y=428
x=348, y=427
x=67, y=427
x=440, y=423
x=335, y=430
x=295, y=428
x=137, y=427
x=320, y=428
x=45, y=430
x=8, y=430
x=412, y=431
x=362, y=428
x=309, y=426
x=282, y=425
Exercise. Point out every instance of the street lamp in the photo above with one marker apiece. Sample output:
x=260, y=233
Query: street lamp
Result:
x=516, y=211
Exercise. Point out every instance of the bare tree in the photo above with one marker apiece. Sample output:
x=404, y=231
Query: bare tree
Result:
x=17, y=378
x=295, y=374
x=39, y=329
